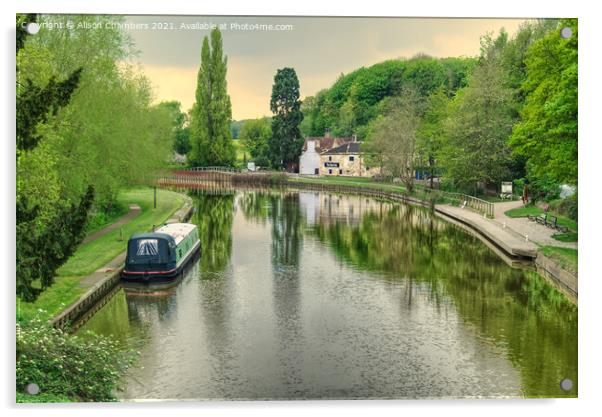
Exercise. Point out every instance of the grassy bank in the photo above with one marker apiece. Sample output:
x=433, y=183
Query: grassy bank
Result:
x=566, y=257
x=95, y=254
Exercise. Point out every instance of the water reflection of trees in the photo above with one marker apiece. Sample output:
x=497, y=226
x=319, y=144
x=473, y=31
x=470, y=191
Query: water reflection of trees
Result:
x=517, y=309
x=213, y=216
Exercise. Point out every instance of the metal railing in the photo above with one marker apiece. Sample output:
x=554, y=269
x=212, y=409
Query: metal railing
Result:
x=474, y=203
x=212, y=169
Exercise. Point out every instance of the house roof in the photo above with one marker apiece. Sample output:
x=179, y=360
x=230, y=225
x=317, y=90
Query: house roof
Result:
x=325, y=143
x=349, y=147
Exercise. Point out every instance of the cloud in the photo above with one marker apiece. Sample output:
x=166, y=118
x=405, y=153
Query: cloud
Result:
x=318, y=48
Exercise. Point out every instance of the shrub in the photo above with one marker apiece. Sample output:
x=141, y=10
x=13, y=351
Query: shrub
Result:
x=83, y=368
x=567, y=207
x=544, y=188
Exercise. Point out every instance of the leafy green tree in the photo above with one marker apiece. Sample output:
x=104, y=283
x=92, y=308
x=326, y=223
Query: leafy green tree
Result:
x=431, y=131
x=356, y=99
x=211, y=115
x=42, y=250
x=547, y=132
x=392, y=143
x=179, y=120
x=79, y=140
x=478, y=127
x=286, y=141
x=255, y=135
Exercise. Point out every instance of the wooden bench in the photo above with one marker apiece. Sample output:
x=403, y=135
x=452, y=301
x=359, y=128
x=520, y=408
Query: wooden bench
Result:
x=552, y=222
x=549, y=221
x=541, y=219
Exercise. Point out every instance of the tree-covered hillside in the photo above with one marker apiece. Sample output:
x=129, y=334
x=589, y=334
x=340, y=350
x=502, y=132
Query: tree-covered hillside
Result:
x=355, y=99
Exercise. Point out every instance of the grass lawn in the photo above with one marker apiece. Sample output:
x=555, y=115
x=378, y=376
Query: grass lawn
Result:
x=536, y=211
x=93, y=255
x=53, y=300
x=566, y=237
x=566, y=257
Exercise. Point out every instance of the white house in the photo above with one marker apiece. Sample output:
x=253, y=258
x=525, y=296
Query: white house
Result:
x=309, y=162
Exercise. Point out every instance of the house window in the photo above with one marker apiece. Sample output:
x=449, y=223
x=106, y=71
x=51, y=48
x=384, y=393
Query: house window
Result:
x=330, y=158
x=316, y=171
x=340, y=172
x=351, y=158
x=330, y=171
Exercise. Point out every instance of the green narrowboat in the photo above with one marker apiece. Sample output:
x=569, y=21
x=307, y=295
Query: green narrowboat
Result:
x=161, y=256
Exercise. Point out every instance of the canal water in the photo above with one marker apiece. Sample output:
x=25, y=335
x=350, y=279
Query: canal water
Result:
x=310, y=295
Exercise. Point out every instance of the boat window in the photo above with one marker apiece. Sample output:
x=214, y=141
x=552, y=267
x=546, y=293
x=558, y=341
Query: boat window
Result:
x=148, y=247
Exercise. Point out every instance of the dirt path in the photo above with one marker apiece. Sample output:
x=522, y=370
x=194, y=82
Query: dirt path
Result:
x=133, y=213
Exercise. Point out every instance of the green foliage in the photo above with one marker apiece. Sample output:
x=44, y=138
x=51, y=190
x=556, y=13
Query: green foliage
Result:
x=392, y=143
x=255, y=135
x=566, y=237
x=547, y=132
x=235, y=127
x=480, y=121
x=180, y=131
x=41, y=398
x=80, y=368
x=566, y=257
x=355, y=99
x=211, y=115
x=431, y=131
x=42, y=250
x=108, y=135
x=567, y=206
x=57, y=297
x=286, y=141
x=544, y=187
x=104, y=216
x=35, y=104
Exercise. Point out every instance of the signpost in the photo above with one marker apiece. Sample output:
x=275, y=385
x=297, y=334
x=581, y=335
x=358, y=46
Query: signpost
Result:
x=506, y=189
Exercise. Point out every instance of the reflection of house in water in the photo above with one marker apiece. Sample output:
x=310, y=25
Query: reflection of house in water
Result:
x=324, y=208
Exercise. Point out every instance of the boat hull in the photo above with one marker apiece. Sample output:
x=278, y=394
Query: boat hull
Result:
x=161, y=276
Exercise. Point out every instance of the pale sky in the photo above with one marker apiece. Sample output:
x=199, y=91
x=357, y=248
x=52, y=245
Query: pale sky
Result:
x=318, y=48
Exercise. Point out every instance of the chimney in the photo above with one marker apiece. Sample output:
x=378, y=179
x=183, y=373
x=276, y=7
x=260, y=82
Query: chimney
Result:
x=354, y=136
x=327, y=133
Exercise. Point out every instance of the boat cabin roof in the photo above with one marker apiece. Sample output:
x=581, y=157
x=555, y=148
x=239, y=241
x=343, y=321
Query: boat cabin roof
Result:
x=177, y=230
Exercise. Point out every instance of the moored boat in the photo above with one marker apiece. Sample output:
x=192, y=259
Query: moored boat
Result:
x=161, y=256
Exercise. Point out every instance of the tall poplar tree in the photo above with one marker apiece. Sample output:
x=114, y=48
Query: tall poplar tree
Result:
x=286, y=141
x=211, y=115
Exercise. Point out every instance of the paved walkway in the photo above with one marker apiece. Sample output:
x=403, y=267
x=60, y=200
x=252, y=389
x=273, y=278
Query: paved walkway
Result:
x=511, y=242
x=134, y=212
x=522, y=226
